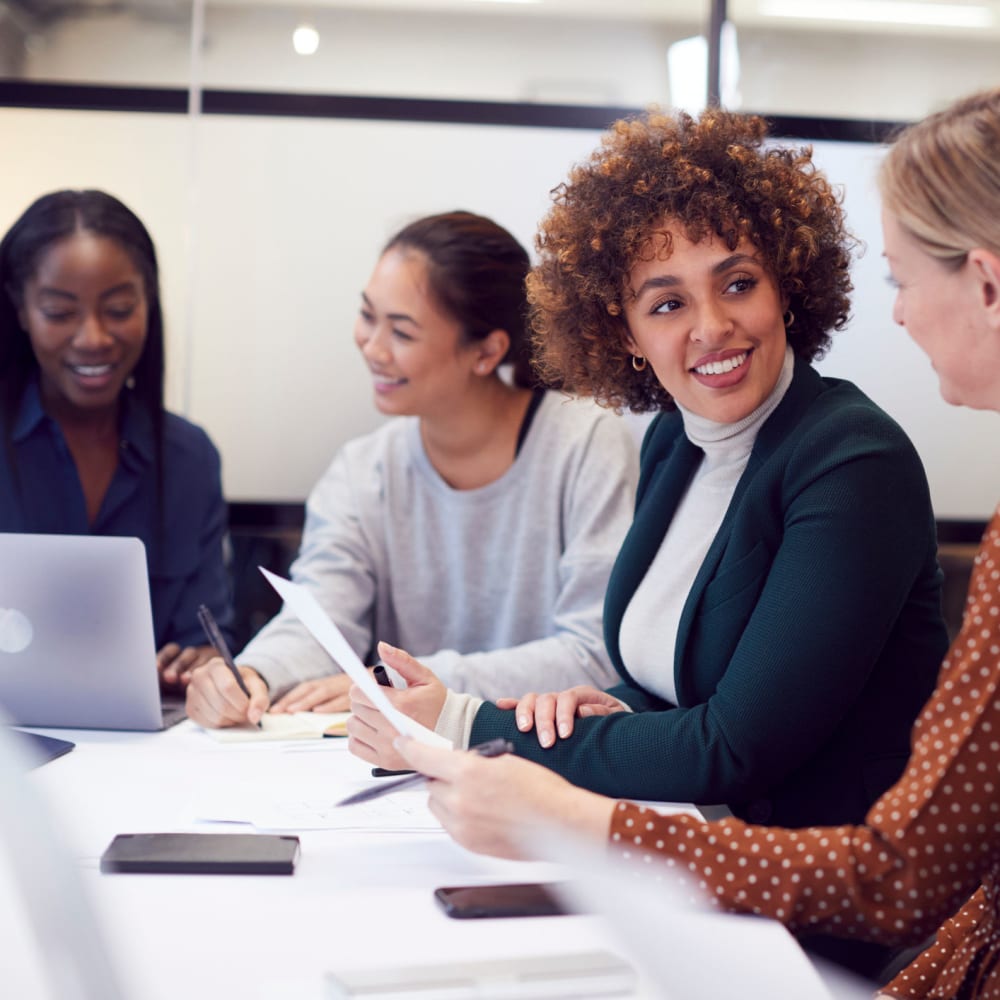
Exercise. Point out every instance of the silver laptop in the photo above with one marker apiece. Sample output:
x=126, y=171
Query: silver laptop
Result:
x=76, y=634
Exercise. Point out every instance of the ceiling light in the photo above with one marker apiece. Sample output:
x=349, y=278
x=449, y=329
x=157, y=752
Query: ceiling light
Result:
x=882, y=11
x=305, y=39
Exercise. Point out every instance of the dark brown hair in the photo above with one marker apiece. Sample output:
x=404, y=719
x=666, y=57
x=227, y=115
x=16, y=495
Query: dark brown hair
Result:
x=476, y=271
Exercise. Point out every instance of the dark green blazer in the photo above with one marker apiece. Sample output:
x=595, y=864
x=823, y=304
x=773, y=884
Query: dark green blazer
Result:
x=811, y=636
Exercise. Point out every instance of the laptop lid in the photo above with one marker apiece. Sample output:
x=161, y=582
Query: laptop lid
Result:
x=76, y=633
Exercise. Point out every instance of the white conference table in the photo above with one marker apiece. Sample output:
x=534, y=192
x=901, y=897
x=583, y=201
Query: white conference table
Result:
x=359, y=898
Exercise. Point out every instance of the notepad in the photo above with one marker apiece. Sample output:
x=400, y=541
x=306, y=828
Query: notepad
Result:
x=286, y=726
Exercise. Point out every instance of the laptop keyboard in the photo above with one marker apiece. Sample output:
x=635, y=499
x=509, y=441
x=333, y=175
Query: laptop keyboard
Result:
x=173, y=709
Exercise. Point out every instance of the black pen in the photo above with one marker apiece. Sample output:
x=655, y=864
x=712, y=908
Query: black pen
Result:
x=218, y=640
x=491, y=748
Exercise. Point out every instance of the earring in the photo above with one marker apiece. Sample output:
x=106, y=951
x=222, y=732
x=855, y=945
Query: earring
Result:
x=638, y=363
x=130, y=382
x=789, y=318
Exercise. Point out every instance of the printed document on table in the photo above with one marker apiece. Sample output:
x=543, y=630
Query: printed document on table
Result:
x=305, y=808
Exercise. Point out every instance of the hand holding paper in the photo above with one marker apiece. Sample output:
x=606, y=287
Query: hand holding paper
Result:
x=326, y=633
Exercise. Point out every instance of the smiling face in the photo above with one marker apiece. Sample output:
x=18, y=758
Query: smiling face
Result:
x=709, y=321
x=414, y=350
x=940, y=308
x=85, y=312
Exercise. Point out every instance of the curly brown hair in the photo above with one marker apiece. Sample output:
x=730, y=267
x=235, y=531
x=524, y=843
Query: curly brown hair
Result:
x=711, y=175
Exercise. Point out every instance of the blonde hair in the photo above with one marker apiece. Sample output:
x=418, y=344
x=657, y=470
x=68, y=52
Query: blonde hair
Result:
x=941, y=179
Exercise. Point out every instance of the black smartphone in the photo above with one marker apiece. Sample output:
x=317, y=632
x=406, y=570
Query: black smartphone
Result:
x=526, y=899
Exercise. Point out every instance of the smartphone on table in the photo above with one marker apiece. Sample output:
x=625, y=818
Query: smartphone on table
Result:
x=522, y=899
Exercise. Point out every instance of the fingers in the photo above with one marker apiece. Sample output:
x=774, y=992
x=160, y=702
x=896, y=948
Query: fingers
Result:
x=567, y=704
x=412, y=671
x=260, y=697
x=555, y=712
x=545, y=718
x=342, y=703
x=183, y=667
x=525, y=710
x=585, y=710
x=166, y=655
x=323, y=694
x=176, y=664
x=169, y=662
x=370, y=737
x=214, y=699
x=506, y=703
x=435, y=762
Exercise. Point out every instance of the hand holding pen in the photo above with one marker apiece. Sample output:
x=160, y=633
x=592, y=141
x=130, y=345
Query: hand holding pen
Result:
x=218, y=641
x=492, y=748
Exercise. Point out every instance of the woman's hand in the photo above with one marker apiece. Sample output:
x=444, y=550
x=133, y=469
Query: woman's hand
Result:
x=369, y=734
x=554, y=712
x=490, y=805
x=323, y=694
x=175, y=664
x=215, y=700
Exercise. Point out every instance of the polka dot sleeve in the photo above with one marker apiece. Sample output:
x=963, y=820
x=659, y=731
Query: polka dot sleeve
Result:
x=940, y=970
x=927, y=843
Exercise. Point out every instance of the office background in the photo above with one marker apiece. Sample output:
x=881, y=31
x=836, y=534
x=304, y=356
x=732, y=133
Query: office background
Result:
x=270, y=180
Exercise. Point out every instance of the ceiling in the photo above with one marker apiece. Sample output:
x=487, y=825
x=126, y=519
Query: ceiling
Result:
x=954, y=17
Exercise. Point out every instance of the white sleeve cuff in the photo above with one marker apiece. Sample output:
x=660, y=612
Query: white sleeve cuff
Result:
x=456, y=718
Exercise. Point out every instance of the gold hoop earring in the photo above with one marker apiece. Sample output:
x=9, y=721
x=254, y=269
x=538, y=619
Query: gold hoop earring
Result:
x=638, y=363
x=789, y=318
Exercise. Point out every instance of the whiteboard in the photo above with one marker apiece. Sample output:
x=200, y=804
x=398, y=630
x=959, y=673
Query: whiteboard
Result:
x=268, y=228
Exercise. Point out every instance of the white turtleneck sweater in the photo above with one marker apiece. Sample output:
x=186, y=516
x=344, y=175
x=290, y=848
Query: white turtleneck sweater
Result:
x=649, y=625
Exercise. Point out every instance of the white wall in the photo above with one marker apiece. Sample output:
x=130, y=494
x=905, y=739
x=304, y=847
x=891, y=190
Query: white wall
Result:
x=825, y=73
x=262, y=273
x=957, y=445
x=267, y=228
x=142, y=159
x=293, y=217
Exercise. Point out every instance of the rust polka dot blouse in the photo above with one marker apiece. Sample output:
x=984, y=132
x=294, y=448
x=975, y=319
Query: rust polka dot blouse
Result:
x=931, y=842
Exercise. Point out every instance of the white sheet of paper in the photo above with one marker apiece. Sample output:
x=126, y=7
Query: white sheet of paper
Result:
x=326, y=633
x=302, y=806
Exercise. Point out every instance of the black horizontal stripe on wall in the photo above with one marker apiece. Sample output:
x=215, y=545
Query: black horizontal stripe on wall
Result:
x=174, y=100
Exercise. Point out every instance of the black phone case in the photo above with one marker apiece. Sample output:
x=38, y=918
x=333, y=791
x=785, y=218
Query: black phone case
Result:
x=524, y=899
x=201, y=854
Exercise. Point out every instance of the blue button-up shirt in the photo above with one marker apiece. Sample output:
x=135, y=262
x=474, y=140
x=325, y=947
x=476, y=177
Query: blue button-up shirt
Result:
x=185, y=555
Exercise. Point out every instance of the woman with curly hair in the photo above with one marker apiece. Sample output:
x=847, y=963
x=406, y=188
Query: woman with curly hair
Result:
x=934, y=837
x=774, y=612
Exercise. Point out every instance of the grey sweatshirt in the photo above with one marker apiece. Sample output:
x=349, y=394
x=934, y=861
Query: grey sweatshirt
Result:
x=499, y=590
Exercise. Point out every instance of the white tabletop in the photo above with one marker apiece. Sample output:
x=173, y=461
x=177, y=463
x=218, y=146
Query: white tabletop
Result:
x=358, y=898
